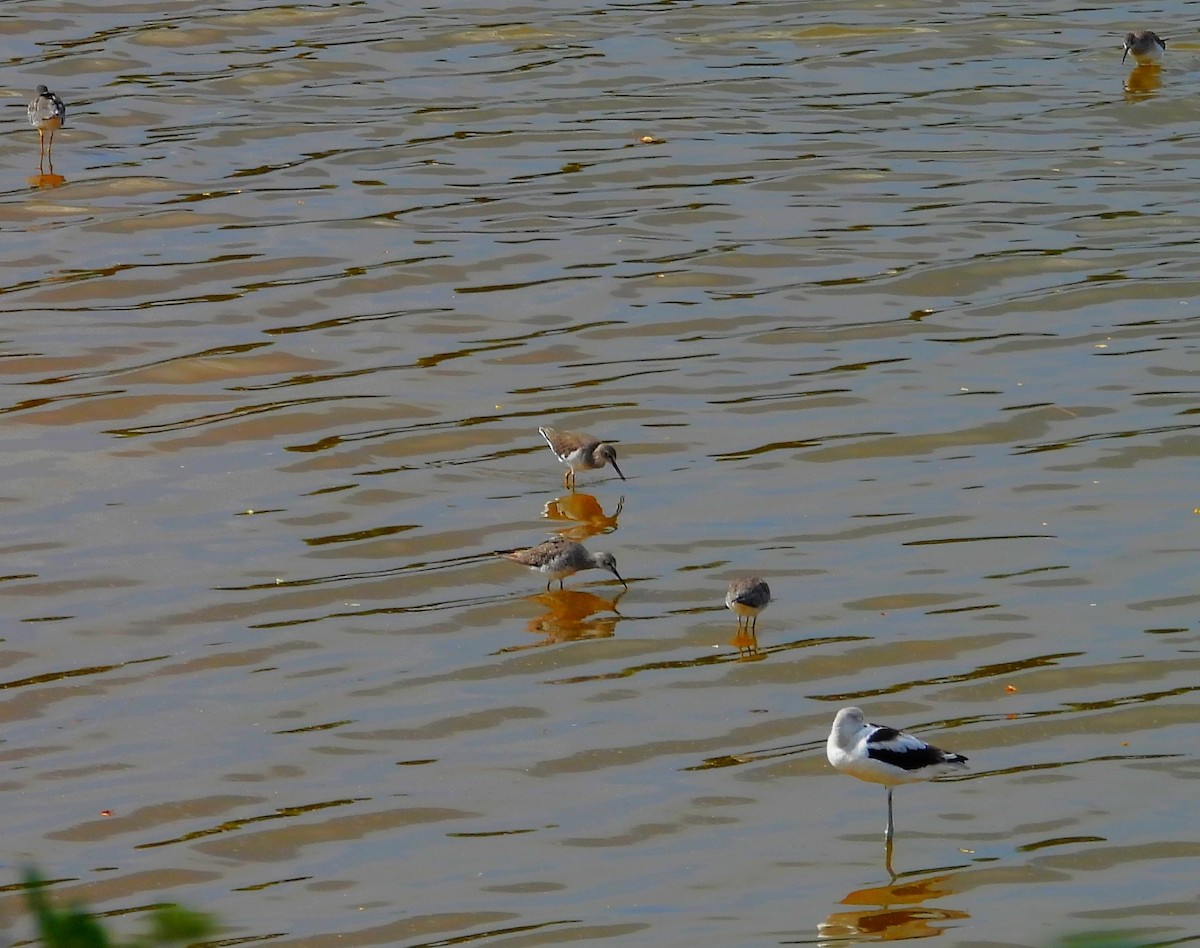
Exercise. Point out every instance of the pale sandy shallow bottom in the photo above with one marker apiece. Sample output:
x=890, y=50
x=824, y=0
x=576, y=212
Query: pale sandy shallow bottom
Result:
x=895, y=310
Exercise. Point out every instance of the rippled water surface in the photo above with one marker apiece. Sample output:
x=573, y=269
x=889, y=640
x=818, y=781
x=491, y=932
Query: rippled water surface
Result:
x=894, y=309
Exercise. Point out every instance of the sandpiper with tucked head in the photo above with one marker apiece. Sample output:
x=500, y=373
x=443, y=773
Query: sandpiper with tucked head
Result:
x=580, y=452
x=1146, y=46
x=47, y=114
x=559, y=558
x=884, y=755
x=747, y=597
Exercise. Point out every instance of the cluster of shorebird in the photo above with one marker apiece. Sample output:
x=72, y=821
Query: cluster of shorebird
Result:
x=871, y=752
x=558, y=557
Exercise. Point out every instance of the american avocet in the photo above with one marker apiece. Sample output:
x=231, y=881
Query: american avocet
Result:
x=580, y=452
x=559, y=558
x=46, y=113
x=747, y=597
x=884, y=755
x=1146, y=46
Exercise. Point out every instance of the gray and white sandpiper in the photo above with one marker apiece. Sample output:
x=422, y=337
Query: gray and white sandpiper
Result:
x=47, y=114
x=879, y=754
x=580, y=452
x=1146, y=46
x=559, y=558
x=747, y=597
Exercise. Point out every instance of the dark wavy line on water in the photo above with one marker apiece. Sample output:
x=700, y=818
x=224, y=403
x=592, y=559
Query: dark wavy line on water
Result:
x=997, y=536
x=1102, y=436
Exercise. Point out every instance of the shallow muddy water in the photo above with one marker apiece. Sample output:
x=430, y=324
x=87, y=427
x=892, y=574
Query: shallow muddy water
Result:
x=893, y=308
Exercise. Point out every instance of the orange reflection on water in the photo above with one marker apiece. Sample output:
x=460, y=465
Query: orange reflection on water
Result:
x=894, y=912
x=50, y=180
x=746, y=642
x=1143, y=80
x=584, y=512
x=569, y=618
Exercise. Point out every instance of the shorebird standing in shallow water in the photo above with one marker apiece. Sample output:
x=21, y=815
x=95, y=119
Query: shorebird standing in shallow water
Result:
x=884, y=755
x=559, y=558
x=1146, y=45
x=747, y=597
x=47, y=114
x=580, y=452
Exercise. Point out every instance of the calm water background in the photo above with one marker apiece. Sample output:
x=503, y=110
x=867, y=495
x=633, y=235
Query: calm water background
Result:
x=895, y=310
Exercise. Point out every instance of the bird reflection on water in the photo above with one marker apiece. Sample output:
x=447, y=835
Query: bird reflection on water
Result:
x=1143, y=82
x=745, y=640
x=585, y=513
x=569, y=618
x=893, y=912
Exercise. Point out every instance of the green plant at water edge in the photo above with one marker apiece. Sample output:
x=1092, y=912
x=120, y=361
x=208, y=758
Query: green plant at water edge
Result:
x=73, y=927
